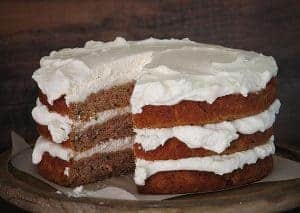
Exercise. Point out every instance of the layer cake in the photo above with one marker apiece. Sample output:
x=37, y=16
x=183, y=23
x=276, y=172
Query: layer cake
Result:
x=183, y=116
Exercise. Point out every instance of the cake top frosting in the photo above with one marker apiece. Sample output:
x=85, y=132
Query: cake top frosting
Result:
x=166, y=71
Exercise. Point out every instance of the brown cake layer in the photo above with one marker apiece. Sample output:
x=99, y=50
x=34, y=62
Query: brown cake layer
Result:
x=87, y=170
x=176, y=182
x=115, y=97
x=225, y=108
x=115, y=128
x=174, y=149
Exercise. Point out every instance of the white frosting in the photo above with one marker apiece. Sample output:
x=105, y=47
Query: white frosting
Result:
x=104, y=116
x=112, y=145
x=214, y=137
x=259, y=122
x=59, y=126
x=167, y=71
x=219, y=164
x=43, y=145
x=78, y=72
x=78, y=190
x=67, y=171
x=201, y=73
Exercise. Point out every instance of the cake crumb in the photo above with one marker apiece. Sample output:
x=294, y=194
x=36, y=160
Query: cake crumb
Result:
x=66, y=171
x=78, y=189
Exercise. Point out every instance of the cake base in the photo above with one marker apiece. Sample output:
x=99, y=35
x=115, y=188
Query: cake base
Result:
x=87, y=170
x=177, y=182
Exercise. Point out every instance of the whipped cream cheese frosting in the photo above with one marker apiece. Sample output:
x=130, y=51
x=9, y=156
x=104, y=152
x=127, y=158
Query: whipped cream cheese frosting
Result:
x=166, y=71
x=215, y=137
x=60, y=126
x=67, y=171
x=219, y=164
x=56, y=150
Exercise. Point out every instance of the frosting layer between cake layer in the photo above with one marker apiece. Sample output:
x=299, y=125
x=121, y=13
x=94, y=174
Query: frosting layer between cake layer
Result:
x=166, y=71
x=219, y=164
x=214, y=137
x=60, y=126
x=43, y=145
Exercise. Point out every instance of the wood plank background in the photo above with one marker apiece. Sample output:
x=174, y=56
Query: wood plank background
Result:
x=30, y=29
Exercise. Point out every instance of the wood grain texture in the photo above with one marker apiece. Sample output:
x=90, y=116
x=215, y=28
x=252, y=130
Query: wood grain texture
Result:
x=31, y=29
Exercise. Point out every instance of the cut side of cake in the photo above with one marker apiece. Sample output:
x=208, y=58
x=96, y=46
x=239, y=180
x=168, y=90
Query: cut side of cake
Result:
x=181, y=115
x=87, y=141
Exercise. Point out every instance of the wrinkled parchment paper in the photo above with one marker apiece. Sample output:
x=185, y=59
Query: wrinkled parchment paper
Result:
x=123, y=187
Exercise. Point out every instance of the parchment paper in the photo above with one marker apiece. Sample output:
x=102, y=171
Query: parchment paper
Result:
x=123, y=187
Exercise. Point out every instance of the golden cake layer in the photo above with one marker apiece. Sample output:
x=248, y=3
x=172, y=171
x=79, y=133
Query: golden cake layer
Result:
x=225, y=108
x=177, y=182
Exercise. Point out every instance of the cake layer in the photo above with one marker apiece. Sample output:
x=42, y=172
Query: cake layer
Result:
x=43, y=145
x=111, y=98
x=116, y=128
x=80, y=140
x=87, y=170
x=58, y=126
x=177, y=182
x=230, y=107
x=214, y=137
x=219, y=164
x=175, y=149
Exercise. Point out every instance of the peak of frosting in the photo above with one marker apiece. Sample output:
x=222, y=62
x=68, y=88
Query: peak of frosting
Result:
x=166, y=71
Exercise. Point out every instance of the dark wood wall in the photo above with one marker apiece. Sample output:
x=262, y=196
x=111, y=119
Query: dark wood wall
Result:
x=30, y=29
